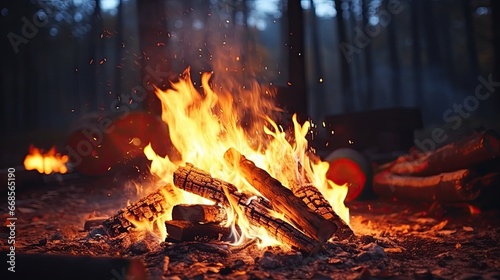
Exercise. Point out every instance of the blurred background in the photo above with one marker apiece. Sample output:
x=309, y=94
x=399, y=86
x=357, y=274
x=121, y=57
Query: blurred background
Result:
x=63, y=61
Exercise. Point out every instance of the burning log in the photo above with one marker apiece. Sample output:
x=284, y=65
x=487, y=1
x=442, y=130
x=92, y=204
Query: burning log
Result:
x=315, y=200
x=199, y=213
x=147, y=208
x=256, y=209
x=454, y=156
x=282, y=198
x=457, y=186
x=182, y=231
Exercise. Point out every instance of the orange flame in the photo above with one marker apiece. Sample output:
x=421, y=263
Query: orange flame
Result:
x=204, y=124
x=46, y=163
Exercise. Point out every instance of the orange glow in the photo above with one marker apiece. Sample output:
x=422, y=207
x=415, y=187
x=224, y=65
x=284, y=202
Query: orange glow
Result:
x=46, y=163
x=204, y=124
x=474, y=210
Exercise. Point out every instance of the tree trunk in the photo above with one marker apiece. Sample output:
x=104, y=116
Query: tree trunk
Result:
x=416, y=52
x=153, y=51
x=495, y=20
x=296, y=56
x=345, y=71
x=471, y=41
x=392, y=42
x=368, y=62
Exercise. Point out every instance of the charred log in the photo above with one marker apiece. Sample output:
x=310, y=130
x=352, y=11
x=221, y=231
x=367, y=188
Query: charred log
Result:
x=315, y=200
x=148, y=208
x=458, y=186
x=282, y=198
x=183, y=231
x=256, y=209
x=454, y=156
x=199, y=213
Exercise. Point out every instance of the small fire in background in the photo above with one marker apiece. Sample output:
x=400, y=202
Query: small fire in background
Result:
x=45, y=162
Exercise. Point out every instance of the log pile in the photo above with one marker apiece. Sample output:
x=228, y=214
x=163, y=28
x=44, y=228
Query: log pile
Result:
x=308, y=219
x=303, y=204
x=456, y=172
x=256, y=209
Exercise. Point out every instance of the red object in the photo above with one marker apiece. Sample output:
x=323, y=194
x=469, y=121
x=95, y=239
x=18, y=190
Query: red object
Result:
x=349, y=167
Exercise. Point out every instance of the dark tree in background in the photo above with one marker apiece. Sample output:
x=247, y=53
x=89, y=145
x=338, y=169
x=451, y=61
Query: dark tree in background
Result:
x=296, y=58
x=368, y=60
x=345, y=71
x=89, y=55
x=153, y=50
x=393, y=43
x=416, y=52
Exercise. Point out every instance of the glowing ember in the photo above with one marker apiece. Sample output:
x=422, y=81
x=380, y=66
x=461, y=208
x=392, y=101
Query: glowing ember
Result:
x=47, y=163
x=203, y=125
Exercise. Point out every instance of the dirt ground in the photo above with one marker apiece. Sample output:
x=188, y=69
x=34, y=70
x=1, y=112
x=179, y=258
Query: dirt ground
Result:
x=394, y=240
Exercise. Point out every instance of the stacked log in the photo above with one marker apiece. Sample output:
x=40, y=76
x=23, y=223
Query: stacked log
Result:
x=256, y=209
x=452, y=173
x=304, y=204
x=309, y=220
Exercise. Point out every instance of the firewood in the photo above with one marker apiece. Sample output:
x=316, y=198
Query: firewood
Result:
x=314, y=199
x=199, y=213
x=457, y=186
x=183, y=231
x=454, y=156
x=147, y=208
x=256, y=209
x=282, y=198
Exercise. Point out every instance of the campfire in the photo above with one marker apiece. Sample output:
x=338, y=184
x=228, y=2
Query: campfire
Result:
x=236, y=189
x=266, y=186
x=239, y=192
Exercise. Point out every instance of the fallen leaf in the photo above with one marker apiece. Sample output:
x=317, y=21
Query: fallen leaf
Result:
x=458, y=245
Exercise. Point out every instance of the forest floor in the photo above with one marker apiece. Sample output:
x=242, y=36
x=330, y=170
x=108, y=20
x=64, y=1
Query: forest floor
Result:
x=394, y=240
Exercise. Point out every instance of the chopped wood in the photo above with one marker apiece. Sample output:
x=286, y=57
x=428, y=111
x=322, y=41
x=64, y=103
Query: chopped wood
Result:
x=147, y=208
x=200, y=213
x=314, y=199
x=256, y=209
x=454, y=156
x=457, y=186
x=182, y=231
x=282, y=198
